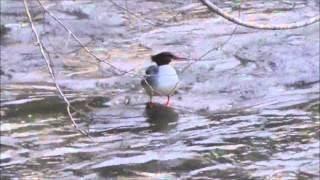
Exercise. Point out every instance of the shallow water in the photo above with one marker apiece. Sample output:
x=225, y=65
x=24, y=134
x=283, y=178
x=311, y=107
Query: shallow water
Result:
x=161, y=142
x=249, y=111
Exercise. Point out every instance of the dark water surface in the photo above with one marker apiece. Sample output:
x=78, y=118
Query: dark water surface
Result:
x=247, y=111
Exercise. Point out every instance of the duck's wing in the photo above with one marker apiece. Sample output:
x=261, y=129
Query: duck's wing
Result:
x=149, y=77
x=152, y=70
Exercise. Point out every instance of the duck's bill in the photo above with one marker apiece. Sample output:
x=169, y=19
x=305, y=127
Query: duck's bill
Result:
x=177, y=58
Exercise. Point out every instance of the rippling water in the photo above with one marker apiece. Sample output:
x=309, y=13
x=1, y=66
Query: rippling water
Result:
x=164, y=143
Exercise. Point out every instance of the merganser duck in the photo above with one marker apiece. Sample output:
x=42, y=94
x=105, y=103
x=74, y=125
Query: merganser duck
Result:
x=162, y=79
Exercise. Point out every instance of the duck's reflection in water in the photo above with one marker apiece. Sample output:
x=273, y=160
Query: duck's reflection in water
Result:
x=160, y=117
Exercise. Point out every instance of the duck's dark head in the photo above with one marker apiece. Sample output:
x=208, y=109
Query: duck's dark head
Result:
x=164, y=58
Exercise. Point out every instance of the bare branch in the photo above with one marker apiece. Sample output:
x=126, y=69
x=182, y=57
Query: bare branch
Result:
x=192, y=61
x=120, y=71
x=53, y=77
x=238, y=21
x=76, y=38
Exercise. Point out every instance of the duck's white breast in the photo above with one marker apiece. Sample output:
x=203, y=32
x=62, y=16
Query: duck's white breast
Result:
x=166, y=80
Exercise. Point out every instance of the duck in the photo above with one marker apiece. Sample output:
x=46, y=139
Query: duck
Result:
x=161, y=79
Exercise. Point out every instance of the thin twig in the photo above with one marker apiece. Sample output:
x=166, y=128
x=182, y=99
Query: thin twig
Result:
x=214, y=48
x=123, y=72
x=48, y=62
x=212, y=7
x=144, y=19
x=133, y=14
x=77, y=39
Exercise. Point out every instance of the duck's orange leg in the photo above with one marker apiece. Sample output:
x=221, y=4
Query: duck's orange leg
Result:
x=168, y=101
x=151, y=104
